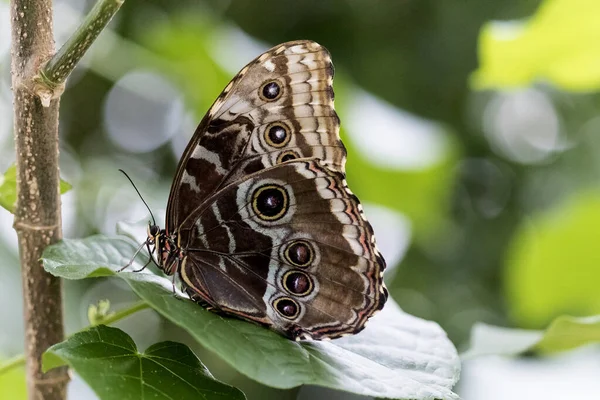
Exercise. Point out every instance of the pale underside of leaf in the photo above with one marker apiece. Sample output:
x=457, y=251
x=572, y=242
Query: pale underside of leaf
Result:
x=564, y=333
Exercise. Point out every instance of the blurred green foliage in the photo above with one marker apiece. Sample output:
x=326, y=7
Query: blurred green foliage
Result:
x=553, y=263
x=504, y=239
x=556, y=45
x=12, y=384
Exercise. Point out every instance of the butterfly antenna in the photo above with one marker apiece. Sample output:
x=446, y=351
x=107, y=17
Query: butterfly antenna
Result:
x=139, y=194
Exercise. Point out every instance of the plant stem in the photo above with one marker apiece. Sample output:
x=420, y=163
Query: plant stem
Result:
x=140, y=305
x=51, y=79
x=19, y=360
x=37, y=212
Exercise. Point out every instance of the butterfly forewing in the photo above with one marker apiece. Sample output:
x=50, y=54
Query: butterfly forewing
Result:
x=260, y=220
x=245, y=131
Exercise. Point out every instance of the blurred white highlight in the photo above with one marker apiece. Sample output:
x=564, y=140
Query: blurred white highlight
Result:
x=233, y=48
x=523, y=126
x=4, y=29
x=393, y=233
x=142, y=111
x=391, y=138
x=573, y=375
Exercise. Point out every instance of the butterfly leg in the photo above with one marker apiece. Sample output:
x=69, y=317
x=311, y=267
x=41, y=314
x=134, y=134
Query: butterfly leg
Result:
x=144, y=267
x=130, y=263
x=150, y=253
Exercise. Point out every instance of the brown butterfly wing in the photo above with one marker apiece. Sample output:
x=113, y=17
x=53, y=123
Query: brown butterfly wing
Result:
x=288, y=247
x=245, y=131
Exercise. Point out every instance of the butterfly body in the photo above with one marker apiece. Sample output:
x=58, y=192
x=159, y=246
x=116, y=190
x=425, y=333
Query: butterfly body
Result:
x=260, y=223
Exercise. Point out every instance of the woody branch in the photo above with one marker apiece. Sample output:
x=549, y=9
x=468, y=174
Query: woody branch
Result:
x=38, y=77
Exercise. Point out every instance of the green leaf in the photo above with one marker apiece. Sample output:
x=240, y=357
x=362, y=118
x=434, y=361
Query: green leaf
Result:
x=98, y=313
x=65, y=187
x=564, y=333
x=108, y=360
x=12, y=384
x=396, y=356
x=552, y=264
x=8, y=188
x=88, y=258
x=558, y=44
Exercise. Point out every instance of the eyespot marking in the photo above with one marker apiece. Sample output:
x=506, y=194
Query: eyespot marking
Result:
x=287, y=307
x=270, y=202
x=299, y=253
x=270, y=91
x=297, y=283
x=277, y=134
x=287, y=156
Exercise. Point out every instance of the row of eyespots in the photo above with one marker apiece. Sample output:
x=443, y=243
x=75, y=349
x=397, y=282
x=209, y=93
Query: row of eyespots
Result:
x=270, y=203
x=296, y=282
x=277, y=134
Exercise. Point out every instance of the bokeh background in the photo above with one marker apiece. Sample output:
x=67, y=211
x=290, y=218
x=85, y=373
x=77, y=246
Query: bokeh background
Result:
x=472, y=132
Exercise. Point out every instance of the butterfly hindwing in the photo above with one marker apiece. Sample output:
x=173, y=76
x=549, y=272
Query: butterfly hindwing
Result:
x=279, y=107
x=288, y=247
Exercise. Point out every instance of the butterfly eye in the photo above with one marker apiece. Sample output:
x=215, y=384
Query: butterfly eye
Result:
x=277, y=135
x=297, y=282
x=270, y=91
x=287, y=307
x=270, y=202
x=153, y=230
x=287, y=156
x=299, y=253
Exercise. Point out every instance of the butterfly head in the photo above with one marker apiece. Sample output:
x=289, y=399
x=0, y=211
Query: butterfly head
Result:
x=153, y=231
x=165, y=248
x=154, y=236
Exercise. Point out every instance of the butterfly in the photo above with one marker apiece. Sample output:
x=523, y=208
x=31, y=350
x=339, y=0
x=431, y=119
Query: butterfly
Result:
x=260, y=222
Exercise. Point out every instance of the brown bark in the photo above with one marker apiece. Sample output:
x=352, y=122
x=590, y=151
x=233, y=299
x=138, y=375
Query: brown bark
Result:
x=37, y=213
